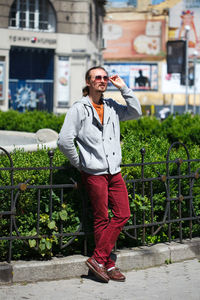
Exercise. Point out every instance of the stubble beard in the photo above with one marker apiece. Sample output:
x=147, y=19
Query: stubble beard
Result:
x=102, y=88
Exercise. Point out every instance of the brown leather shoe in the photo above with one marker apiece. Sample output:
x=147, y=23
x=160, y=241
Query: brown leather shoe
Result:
x=98, y=271
x=116, y=275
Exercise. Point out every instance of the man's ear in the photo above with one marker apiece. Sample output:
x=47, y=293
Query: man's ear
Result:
x=87, y=83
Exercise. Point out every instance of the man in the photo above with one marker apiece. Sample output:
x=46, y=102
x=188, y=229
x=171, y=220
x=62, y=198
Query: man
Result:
x=94, y=123
x=142, y=81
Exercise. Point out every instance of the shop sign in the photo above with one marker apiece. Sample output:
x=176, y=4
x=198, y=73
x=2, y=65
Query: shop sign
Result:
x=32, y=39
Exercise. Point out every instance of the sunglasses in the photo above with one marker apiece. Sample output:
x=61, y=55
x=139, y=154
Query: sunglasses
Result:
x=99, y=78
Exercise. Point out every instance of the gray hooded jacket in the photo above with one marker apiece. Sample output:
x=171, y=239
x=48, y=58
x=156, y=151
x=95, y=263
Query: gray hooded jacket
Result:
x=99, y=145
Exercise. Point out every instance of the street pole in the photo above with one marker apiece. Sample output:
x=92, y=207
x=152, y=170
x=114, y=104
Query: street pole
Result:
x=187, y=29
x=172, y=104
x=195, y=63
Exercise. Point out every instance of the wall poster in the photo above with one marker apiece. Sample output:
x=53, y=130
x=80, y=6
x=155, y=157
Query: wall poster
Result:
x=138, y=76
x=134, y=39
x=172, y=83
x=186, y=13
x=2, y=80
x=31, y=94
x=63, y=81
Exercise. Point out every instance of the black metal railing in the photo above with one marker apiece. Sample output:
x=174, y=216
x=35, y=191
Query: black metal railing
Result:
x=178, y=193
x=171, y=211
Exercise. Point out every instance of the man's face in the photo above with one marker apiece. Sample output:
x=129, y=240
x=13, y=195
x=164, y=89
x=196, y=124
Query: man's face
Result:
x=98, y=80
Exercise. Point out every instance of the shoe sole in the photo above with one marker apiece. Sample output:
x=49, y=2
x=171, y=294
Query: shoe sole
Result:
x=92, y=269
x=120, y=280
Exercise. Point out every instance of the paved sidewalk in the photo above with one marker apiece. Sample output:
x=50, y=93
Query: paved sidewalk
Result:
x=74, y=266
x=176, y=281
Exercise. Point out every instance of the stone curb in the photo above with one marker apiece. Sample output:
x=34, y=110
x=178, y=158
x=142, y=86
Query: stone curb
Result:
x=74, y=266
x=44, y=138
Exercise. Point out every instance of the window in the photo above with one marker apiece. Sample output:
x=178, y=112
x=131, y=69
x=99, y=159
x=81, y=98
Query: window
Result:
x=32, y=15
x=121, y=3
x=97, y=22
x=132, y=3
x=90, y=21
x=155, y=2
x=192, y=3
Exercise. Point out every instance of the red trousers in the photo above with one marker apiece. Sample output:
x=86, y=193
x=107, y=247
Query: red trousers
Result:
x=107, y=191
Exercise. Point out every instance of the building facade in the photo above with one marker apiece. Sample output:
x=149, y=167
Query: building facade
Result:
x=45, y=48
x=136, y=38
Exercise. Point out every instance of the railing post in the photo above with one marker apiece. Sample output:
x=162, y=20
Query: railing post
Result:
x=142, y=151
x=51, y=155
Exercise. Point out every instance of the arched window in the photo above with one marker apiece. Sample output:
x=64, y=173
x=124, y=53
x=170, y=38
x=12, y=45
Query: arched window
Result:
x=32, y=15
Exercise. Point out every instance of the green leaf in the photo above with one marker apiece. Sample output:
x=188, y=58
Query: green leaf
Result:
x=32, y=243
x=52, y=225
x=46, y=208
x=63, y=215
x=42, y=246
x=48, y=244
x=143, y=207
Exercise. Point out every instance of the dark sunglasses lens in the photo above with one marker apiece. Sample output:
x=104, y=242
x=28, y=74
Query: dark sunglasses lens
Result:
x=99, y=78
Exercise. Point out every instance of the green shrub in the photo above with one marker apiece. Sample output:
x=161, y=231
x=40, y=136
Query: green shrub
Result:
x=28, y=201
x=147, y=134
x=183, y=128
x=30, y=121
x=155, y=149
x=144, y=127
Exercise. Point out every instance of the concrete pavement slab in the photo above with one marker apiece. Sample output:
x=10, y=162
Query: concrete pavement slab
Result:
x=74, y=266
x=176, y=281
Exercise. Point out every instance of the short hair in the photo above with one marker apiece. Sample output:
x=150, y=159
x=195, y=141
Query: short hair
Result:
x=87, y=74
